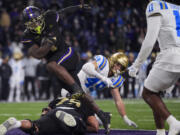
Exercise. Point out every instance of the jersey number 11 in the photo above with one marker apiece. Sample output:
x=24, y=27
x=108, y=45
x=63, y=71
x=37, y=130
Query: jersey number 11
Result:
x=177, y=18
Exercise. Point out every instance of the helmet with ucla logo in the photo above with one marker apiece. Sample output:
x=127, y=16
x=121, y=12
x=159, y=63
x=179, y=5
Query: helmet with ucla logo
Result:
x=120, y=59
x=33, y=19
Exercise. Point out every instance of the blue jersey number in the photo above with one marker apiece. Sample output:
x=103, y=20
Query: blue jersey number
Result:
x=95, y=84
x=151, y=7
x=177, y=18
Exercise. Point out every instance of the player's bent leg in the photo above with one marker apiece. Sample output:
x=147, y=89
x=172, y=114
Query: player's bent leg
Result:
x=68, y=119
x=155, y=102
x=106, y=120
x=105, y=117
x=160, y=122
x=6, y=126
x=159, y=109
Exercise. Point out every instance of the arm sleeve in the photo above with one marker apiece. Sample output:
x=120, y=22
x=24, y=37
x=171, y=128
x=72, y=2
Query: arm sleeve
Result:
x=153, y=27
x=89, y=69
x=69, y=9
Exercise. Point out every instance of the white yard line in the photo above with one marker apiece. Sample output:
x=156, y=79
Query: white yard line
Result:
x=146, y=120
x=21, y=114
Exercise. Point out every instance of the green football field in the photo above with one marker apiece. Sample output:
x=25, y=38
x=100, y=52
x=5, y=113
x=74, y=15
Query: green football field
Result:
x=136, y=110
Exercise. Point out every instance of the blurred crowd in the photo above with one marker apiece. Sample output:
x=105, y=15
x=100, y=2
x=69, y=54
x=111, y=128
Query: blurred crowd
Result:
x=111, y=26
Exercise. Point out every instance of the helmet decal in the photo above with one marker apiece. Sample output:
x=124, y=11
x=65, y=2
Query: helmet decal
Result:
x=33, y=19
x=29, y=12
x=120, y=59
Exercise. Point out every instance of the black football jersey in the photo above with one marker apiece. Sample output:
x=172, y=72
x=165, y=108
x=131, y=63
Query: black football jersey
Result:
x=80, y=107
x=51, y=29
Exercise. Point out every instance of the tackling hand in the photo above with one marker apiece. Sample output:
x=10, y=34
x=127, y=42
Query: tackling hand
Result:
x=129, y=122
x=107, y=81
x=132, y=70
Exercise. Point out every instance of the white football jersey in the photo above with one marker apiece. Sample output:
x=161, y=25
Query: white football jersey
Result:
x=169, y=34
x=91, y=83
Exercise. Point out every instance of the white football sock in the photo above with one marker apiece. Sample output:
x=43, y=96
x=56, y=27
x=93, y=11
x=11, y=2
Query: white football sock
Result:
x=161, y=132
x=171, y=119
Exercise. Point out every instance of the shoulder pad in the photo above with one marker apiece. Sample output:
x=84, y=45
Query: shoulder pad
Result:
x=101, y=61
x=49, y=13
x=156, y=6
x=51, y=16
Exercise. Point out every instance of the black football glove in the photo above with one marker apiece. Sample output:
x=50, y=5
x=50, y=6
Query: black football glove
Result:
x=48, y=41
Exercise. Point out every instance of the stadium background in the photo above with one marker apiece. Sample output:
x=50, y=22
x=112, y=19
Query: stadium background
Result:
x=113, y=25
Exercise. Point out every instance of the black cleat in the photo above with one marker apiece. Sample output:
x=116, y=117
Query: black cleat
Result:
x=105, y=117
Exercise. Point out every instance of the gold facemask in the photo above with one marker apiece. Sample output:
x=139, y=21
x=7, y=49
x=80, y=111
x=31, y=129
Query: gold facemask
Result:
x=118, y=58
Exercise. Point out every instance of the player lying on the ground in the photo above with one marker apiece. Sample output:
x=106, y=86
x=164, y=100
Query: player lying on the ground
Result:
x=63, y=115
x=79, y=106
x=102, y=73
x=44, y=39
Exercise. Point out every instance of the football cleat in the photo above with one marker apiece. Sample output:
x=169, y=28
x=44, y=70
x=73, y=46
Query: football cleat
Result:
x=174, y=128
x=5, y=126
x=105, y=117
x=68, y=119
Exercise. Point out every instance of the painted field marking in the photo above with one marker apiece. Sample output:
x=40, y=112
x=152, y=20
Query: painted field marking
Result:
x=22, y=114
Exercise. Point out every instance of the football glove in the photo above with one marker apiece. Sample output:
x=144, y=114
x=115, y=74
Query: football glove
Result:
x=48, y=41
x=133, y=69
x=107, y=81
x=129, y=122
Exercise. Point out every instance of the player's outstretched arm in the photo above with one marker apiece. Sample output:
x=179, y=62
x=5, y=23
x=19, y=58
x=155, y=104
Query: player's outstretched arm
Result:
x=154, y=24
x=90, y=68
x=72, y=9
x=121, y=108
